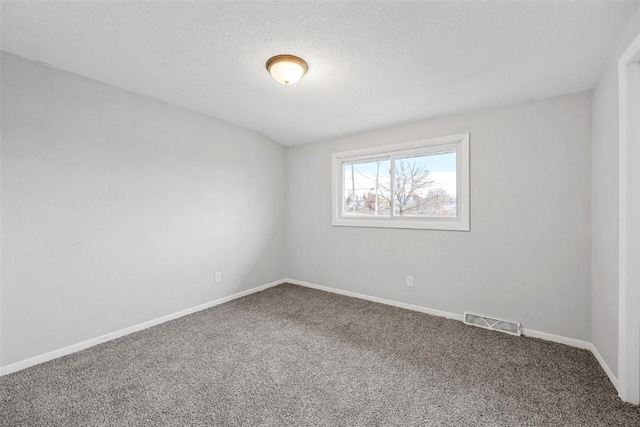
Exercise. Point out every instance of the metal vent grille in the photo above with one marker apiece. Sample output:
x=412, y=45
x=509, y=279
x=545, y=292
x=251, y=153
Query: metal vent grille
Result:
x=505, y=326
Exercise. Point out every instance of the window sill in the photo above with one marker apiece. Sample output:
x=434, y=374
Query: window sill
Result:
x=450, y=224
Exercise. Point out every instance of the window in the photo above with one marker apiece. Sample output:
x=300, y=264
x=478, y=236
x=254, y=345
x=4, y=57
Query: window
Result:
x=421, y=184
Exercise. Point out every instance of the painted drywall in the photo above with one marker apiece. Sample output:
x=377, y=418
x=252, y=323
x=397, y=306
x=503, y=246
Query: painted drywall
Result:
x=527, y=256
x=604, y=256
x=118, y=209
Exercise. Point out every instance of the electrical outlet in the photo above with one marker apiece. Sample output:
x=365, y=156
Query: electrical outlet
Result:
x=218, y=277
x=410, y=281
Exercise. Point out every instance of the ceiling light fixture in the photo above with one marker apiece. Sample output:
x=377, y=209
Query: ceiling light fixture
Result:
x=287, y=69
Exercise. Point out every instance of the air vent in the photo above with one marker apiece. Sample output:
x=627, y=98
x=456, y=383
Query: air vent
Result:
x=512, y=328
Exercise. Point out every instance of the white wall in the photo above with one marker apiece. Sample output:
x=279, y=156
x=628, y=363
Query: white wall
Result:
x=117, y=209
x=527, y=256
x=604, y=257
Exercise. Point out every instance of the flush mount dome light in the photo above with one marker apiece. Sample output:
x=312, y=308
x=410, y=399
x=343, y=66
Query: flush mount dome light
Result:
x=287, y=69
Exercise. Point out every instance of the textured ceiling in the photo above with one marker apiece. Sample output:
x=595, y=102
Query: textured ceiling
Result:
x=371, y=64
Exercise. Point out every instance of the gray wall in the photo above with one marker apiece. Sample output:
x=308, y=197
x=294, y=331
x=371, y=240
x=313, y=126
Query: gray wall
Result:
x=527, y=256
x=604, y=257
x=118, y=209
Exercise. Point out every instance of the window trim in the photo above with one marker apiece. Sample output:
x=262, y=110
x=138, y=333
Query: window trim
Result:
x=458, y=143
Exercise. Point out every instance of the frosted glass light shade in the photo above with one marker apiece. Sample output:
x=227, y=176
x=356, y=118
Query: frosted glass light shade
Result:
x=287, y=69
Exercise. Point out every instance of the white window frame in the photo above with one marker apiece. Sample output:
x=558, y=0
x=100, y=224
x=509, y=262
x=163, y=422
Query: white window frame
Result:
x=458, y=143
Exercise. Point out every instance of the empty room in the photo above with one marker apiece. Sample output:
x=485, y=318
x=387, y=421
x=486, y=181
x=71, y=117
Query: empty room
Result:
x=319, y=213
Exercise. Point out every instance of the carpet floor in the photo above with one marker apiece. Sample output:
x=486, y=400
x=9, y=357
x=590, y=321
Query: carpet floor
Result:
x=292, y=356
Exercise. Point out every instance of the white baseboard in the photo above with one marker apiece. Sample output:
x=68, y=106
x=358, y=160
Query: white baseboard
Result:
x=571, y=342
x=604, y=365
x=26, y=363
x=412, y=307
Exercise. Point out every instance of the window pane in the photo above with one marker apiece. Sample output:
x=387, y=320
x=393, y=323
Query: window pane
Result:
x=366, y=188
x=426, y=185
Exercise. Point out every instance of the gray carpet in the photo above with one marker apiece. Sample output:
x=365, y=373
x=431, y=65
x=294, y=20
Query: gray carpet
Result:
x=296, y=356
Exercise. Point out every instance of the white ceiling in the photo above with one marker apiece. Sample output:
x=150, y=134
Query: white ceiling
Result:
x=371, y=64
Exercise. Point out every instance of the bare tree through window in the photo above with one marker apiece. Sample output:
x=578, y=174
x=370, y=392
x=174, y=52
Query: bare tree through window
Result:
x=421, y=186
